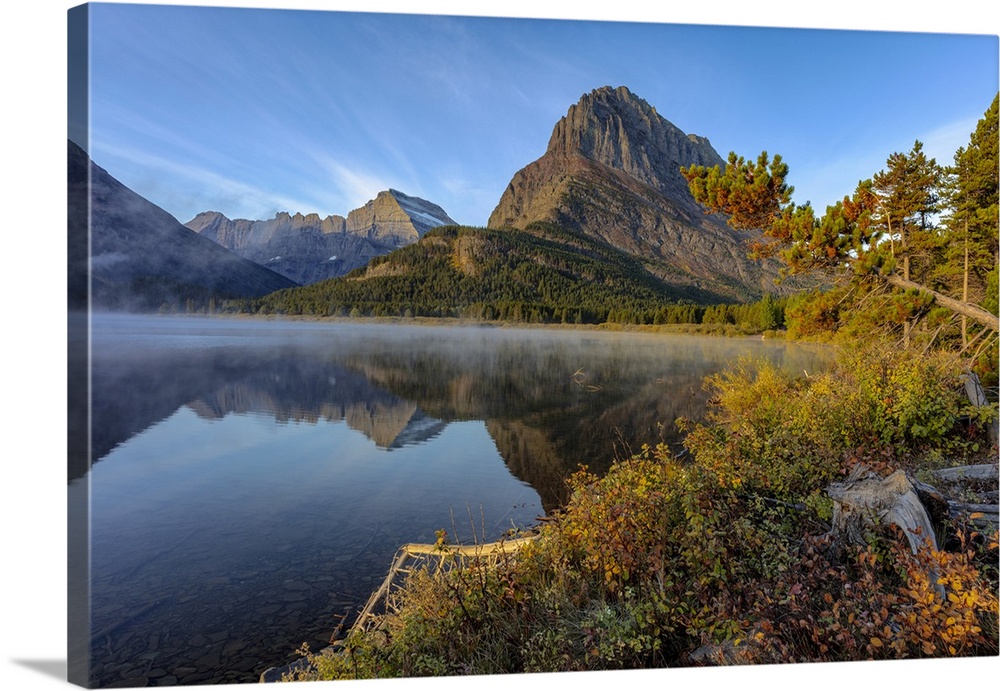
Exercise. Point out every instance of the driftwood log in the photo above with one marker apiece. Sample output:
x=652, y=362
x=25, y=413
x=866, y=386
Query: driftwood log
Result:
x=980, y=515
x=977, y=485
x=408, y=557
x=413, y=555
x=983, y=471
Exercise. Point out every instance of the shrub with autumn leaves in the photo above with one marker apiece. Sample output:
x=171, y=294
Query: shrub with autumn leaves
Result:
x=878, y=602
x=727, y=548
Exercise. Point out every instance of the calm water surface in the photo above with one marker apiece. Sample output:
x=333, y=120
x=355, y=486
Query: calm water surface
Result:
x=252, y=480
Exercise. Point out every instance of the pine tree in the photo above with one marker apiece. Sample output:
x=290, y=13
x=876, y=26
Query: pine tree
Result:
x=908, y=197
x=969, y=266
x=872, y=239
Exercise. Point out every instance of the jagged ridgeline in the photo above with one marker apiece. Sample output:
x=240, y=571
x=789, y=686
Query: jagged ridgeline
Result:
x=611, y=172
x=601, y=227
x=540, y=274
x=307, y=248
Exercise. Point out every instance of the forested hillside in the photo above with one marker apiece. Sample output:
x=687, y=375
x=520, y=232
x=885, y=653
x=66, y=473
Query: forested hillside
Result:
x=540, y=275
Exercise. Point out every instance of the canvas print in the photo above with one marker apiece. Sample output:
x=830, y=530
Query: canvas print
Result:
x=411, y=345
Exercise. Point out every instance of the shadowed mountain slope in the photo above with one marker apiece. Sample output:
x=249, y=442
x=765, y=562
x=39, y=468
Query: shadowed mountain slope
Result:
x=141, y=257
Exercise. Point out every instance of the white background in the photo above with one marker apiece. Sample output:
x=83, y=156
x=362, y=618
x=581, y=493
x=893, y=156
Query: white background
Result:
x=33, y=248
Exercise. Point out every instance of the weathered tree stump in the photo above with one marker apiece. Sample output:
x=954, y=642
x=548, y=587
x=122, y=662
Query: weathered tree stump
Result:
x=865, y=501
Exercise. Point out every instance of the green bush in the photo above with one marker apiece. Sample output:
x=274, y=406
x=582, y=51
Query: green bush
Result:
x=770, y=432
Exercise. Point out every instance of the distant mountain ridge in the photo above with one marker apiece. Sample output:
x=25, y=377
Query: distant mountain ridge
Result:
x=307, y=248
x=611, y=171
x=141, y=258
x=601, y=228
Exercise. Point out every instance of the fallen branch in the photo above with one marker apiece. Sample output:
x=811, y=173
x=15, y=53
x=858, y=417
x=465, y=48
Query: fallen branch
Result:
x=415, y=551
x=981, y=515
x=973, y=312
x=984, y=471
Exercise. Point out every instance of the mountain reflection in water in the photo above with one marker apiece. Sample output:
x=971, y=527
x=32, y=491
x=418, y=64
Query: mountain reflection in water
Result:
x=252, y=479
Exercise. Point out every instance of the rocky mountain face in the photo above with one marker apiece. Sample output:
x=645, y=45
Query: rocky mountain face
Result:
x=307, y=248
x=139, y=256
x=612, y=172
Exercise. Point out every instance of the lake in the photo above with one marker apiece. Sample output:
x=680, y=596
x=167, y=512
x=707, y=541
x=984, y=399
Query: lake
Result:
x=252, y=480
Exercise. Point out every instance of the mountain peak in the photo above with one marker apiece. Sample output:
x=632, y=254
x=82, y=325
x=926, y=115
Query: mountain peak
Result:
x=307, y=248
x=614, y=127
x=611, y=171
x=396, y=218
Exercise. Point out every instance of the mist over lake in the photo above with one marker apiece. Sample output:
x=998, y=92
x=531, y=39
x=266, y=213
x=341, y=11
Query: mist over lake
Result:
x=252, y=480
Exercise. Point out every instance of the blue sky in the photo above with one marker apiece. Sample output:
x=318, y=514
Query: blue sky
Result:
x=254, y=111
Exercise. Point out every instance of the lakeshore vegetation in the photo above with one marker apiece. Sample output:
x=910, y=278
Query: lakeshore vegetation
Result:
x=726, y=553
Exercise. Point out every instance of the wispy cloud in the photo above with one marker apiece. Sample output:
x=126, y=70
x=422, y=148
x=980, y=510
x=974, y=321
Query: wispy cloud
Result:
x=827, y=181
x=942, y=142
x=184, y=189
x=355, y=185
